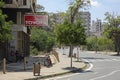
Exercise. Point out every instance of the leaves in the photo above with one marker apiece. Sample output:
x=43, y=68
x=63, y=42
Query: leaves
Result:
x=75, y=6
x=5, y=27
x=68, y=33
x=113, y=29
x=42, y=40
x=102, y=43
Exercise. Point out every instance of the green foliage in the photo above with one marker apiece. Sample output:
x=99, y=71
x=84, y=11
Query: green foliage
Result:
x=1, y=4
x=75, y=6
x=33, y=50
x=68, y=33
x=42, y=40
x=91, y=43
x=102, y=43
x=113, y=29
x=105, y=44
x=112, y=24
x=5, y=27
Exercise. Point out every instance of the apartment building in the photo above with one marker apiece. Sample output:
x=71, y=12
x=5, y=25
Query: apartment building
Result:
x=15, y=10
x=85, y=16
x=96, y=27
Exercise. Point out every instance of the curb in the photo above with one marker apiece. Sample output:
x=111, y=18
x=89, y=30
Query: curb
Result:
x=58, y=74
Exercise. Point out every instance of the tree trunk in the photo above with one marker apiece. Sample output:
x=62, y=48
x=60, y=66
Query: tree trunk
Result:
x=117, y=44
x=118, y=50
x=71, y=51
x=70, y=54
x=77, y=54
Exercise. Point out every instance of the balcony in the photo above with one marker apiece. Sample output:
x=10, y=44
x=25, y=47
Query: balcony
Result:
x=26, y=5
x=10, y=3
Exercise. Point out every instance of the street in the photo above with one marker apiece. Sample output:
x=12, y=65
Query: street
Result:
x=103, y=67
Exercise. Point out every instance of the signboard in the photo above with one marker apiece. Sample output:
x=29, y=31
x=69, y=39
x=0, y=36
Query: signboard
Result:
x=35, y=20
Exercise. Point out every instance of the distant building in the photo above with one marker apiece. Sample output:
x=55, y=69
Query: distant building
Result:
x=86, y=17
x=15, y=10
x=57, y=18
x=96, y=27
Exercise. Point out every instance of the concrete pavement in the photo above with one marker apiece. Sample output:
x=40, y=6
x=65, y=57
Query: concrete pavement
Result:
x=15, y=71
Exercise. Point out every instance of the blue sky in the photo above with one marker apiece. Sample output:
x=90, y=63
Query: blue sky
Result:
x=97, y=9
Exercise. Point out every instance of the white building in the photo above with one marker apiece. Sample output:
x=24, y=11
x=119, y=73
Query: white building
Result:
x=86, y=17
x=96, y=27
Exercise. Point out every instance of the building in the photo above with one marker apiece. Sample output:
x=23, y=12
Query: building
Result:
x=56, y=18
x=96, y=27
x=86, y=18
x=15, y=10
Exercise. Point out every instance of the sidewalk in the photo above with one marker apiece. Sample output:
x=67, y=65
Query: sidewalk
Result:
x=15, y=71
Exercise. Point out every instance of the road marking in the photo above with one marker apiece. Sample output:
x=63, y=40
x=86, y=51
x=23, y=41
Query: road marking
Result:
x=100, y=60
x=91, y=65
x=113, y=72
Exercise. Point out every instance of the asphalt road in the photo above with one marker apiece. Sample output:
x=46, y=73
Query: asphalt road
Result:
x=102, y=67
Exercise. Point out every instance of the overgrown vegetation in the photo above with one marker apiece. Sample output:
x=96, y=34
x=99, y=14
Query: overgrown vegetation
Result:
x=101, y=43
x=41, y=40
x=5, y=27
x=110, y=40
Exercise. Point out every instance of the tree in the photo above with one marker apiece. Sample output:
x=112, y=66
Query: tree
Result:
x=70, y=34
x=113, y=29
x=75, y=6
x=5, y=33
x=73, y=10
x=42, y=40
x=101, y=43
x=5, y=29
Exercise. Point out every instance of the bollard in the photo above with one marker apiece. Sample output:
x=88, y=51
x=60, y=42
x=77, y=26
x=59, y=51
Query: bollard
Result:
x=4, y=65
x=36, y=69
x=25, y=63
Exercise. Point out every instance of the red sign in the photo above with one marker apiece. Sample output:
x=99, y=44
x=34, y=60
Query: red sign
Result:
x=35, y=20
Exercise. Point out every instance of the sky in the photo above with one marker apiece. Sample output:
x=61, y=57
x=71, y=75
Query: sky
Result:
x=97, y=9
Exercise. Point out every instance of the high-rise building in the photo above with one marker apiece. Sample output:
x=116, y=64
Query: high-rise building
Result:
x=86, y=17
x=96, y=27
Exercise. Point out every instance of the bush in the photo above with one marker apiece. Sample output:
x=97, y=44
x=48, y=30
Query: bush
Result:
x=42, y=40
x=101, y=43
x=33, y=50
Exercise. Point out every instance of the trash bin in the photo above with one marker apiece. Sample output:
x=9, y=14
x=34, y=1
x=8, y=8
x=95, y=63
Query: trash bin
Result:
x=36, y=69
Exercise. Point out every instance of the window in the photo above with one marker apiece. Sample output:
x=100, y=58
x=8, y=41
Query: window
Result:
x=8, y=1
x=24, y=2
